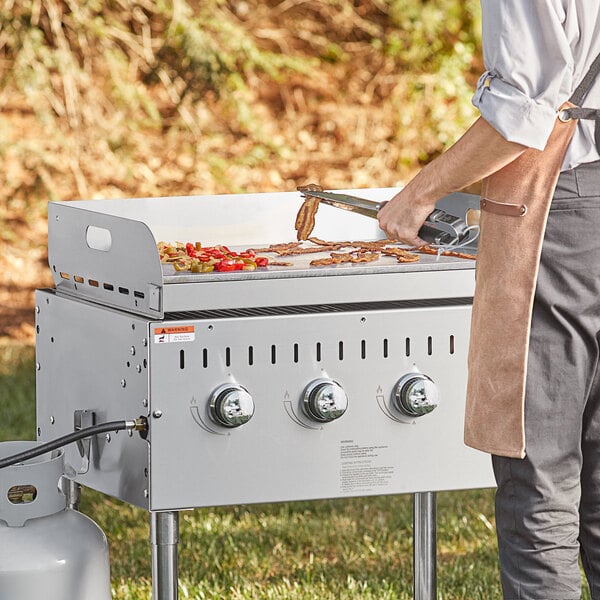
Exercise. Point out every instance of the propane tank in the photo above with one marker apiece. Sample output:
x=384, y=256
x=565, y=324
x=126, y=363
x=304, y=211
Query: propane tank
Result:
x=46, y=549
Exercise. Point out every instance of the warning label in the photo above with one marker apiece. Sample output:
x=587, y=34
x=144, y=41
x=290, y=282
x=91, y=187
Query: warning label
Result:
x=165, y=335
x=364, y=468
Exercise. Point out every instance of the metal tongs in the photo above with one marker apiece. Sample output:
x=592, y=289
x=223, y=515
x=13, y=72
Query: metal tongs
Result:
x=440, y=228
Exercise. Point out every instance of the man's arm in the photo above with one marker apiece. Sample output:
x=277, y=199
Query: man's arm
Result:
x=480, y=152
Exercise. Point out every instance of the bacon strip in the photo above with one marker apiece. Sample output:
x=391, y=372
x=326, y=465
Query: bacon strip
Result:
x=401, y=255
x=430, y=250
x=279, y=263
x=336, y=258
x=277, y=248
x=363, y=257
x=305, y=219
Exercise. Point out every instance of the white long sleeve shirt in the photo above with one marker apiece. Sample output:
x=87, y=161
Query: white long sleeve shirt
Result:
x=535, y=53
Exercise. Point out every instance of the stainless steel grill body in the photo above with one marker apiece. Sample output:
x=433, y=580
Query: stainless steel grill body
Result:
x=121, y=337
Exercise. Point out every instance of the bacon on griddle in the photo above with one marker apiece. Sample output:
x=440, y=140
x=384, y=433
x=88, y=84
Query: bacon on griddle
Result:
x=400, y=254
x=430, y=250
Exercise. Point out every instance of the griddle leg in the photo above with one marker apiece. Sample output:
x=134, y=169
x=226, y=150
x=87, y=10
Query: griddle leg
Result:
x=424, y=546
x=164, y=535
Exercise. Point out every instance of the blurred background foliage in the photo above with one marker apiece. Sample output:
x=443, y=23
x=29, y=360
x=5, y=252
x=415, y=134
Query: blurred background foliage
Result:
x=140, y=97
x=122, y=98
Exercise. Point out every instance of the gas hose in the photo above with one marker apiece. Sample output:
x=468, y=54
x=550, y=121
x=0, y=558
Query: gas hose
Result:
x=140, y=424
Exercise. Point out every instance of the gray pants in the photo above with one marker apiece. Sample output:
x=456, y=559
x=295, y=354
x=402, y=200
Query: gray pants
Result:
x=548, y=504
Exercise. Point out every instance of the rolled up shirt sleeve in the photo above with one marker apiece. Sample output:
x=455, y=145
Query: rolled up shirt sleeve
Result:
x=528, y=68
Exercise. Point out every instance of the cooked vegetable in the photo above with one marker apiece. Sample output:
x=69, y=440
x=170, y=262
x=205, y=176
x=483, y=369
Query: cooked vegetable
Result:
x=198, y=259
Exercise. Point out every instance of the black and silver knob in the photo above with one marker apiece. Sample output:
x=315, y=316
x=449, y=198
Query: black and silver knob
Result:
x=324, y=400
x=231, y=405
x=415, y=395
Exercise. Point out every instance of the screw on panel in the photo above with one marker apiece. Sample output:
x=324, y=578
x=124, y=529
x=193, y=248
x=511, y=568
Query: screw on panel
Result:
x=145, y=493
x=123, y=383
x=37, y=366
x=107, y=438
x=145, y=402
x=157, y=414
x=144, y=342
x=37, y=310
x=52, y=419
x=132, y=350
x=138, y=368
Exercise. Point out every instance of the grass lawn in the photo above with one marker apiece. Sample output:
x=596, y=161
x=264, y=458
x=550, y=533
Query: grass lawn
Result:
x=329, y=549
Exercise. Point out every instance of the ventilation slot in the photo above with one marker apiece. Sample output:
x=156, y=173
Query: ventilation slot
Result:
x=227, y=357
x=93, y=283
x=295, y=353
x=182, y=359
x=318, y=351
x=78, y=279
x=124, y=290
x=250, y=355
x=451, y=344
x=273, y=354
x=386, y=348
x=429, y=345
x=341, y=350
x=363, y=349
x=205, y=358
x=407, y=344
x=108, y=286
x=138, y=294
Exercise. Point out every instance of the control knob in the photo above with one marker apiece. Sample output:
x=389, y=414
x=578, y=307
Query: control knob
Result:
x=415, y=395
x=324, y=400
x=231, y=405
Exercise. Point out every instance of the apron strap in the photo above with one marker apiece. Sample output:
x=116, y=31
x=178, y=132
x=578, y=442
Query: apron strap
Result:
x=578, y=97
x=586, y=83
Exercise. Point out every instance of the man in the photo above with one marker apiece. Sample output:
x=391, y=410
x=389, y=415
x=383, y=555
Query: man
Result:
x=534, y=382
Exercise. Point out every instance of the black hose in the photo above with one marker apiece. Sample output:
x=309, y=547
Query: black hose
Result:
x=64, y=440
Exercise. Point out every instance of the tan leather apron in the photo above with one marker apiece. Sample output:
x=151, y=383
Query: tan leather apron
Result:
x=515, y=204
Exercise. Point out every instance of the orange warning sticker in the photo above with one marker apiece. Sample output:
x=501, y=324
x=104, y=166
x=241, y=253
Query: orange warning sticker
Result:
x=181, y=333
x=170, y=330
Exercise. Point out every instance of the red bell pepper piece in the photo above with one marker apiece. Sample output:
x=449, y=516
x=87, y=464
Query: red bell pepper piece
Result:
x=261, y=261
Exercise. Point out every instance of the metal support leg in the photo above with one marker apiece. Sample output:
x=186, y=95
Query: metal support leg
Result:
x=164, y=535
x=424, y=546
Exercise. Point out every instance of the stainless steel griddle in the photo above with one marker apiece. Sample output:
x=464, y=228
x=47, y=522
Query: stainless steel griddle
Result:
x=288, y=383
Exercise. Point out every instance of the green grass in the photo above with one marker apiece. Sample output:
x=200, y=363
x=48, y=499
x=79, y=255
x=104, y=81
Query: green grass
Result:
x=344, y=549
x=17, y=393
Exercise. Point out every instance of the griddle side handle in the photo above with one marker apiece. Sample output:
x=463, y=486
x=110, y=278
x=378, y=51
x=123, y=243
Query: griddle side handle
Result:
x=104, y=258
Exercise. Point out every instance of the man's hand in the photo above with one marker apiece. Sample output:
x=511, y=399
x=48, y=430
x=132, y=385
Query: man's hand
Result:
x=402, y=217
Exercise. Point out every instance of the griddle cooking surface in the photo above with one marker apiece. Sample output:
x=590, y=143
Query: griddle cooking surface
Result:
x=301, y=267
